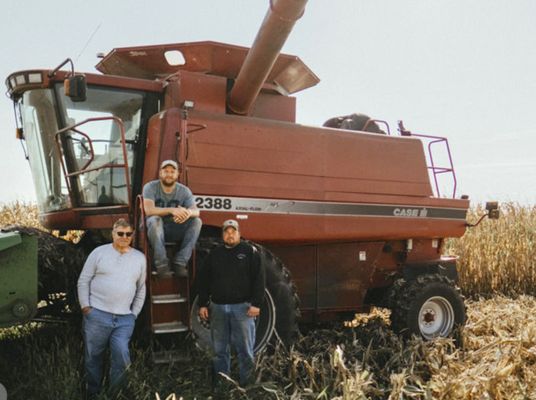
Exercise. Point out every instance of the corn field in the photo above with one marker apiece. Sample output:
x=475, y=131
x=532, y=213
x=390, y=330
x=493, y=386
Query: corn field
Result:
x=364, y=360
x=498, y=256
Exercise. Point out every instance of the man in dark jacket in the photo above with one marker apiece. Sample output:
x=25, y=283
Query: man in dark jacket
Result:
x=231, y=289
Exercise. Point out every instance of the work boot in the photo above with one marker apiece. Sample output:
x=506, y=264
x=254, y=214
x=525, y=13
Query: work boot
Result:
x=163, y=271
x=180, y=270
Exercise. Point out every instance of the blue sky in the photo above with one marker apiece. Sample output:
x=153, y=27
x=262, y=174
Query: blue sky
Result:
x=461, y=69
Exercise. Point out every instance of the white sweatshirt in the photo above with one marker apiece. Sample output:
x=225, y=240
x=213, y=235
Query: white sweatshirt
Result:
x=113, y=282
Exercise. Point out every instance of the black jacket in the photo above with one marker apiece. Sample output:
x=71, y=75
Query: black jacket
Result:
x=232, y=275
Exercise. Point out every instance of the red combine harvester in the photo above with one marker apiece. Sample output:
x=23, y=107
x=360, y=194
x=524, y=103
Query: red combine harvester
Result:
x=344, y=218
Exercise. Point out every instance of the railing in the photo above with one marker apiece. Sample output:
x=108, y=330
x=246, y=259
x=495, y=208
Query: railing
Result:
x=140, y=239
x=432, y=142
x=435, y=169
x=85, y=168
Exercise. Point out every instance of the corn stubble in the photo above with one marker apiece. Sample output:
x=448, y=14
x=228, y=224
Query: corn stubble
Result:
x=363, y=360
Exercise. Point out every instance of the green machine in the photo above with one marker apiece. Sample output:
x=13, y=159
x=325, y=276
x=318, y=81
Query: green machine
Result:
x=18, y=278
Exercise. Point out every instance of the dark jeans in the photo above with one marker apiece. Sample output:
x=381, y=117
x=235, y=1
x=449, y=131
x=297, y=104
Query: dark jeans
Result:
x=230, y=325
x=101, y=328
x=159, y=231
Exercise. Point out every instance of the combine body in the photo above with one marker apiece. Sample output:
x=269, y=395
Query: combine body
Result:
x=347, y=212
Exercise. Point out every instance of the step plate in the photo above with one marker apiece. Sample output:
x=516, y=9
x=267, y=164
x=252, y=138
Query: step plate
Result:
x=168, y=298
x=169, y=327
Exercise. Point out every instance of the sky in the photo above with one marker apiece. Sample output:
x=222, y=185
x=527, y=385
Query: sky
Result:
x=465, y=70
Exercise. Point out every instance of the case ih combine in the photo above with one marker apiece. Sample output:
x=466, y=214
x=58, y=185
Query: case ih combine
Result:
x=344, y=216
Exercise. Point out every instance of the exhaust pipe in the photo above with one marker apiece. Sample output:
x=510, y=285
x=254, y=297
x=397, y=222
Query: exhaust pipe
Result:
x=274, y=31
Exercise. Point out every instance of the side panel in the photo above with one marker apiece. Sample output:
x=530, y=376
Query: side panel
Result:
x=331, y=277
x=208, y=92
x=275, y=107
x=301, y=261
x=261, y=158
x=162, y=142
x=344, y=273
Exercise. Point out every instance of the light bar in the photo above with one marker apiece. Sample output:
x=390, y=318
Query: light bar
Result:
x=20, y=81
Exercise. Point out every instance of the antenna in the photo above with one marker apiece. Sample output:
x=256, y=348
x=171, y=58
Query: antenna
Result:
x=87, y=42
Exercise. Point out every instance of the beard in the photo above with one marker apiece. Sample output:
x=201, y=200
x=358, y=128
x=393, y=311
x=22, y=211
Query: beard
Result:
x=168, y=182
x=230, y=243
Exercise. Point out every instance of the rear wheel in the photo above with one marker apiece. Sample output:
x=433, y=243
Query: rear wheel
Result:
x=279, y=310
x=429, y=306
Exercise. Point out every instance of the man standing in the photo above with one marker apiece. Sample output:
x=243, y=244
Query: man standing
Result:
x=231, y=289
x=111, y=291
x=171, y=216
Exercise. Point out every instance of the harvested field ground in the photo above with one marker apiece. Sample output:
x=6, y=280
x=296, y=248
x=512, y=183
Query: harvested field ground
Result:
x=365, y=362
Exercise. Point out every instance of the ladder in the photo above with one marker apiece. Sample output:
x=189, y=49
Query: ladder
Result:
x=435, y=170
x=167, y=308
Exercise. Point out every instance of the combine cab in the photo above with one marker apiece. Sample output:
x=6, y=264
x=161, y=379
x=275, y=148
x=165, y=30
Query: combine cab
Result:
x=344, y=218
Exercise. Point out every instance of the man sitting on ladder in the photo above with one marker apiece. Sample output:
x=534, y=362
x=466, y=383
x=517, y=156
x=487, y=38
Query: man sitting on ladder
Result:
x=172, y=216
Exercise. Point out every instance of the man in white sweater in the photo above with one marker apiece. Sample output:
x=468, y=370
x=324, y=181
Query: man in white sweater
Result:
x=111, y=291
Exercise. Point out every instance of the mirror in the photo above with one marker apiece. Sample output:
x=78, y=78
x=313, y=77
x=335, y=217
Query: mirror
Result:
x=493, y=209
x=492, y=205
x=75, y=87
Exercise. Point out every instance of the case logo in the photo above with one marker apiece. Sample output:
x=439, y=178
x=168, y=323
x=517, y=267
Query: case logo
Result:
x=410, y=212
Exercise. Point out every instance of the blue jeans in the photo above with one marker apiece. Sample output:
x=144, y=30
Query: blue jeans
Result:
x=159, y=231
x=230, y=325
x=101, y=328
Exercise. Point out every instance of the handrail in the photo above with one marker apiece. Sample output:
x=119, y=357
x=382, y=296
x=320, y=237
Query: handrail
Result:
x=139, y=223
x=85, y=168
x=436, y=170
x=378, y=122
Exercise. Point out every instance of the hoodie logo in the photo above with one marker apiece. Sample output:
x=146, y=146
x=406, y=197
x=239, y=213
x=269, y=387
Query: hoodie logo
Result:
x=241, y=256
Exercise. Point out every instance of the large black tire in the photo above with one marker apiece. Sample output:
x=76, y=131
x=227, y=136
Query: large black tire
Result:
x=279, y=311
x=354, y=122
x=428, y=306
x=283, y=291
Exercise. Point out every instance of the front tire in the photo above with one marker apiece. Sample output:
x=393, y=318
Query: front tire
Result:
x=429, y=306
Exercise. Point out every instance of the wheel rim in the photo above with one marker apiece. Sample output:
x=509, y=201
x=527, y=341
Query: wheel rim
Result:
x=264, y=325
x=436, y=318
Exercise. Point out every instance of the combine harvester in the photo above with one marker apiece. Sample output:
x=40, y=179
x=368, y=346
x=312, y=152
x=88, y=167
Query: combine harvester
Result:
x=344, y=215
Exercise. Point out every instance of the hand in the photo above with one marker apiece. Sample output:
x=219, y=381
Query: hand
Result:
x=181, y=214
x=253, y=311
x=86, y=310
x=203, y=313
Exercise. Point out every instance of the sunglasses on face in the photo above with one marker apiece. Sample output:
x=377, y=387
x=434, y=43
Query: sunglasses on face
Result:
x=127, y=234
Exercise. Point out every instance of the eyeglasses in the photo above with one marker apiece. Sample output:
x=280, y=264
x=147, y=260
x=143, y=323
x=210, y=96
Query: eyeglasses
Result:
x=121, y=234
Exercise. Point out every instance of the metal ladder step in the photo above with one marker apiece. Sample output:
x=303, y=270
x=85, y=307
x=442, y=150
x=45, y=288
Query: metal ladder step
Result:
x=168, y=356
x=168, y=298
x=169, y=327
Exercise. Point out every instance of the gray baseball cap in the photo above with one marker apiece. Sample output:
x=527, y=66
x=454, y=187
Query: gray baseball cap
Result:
x=230, y=223
x=169, y=162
